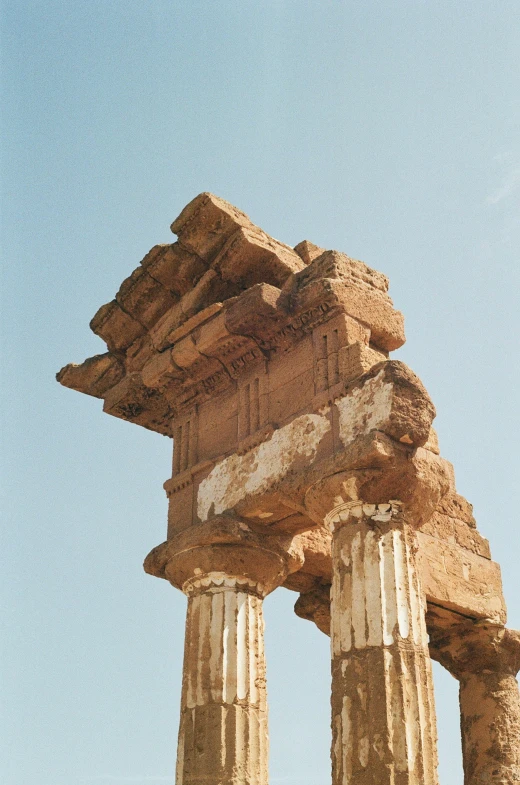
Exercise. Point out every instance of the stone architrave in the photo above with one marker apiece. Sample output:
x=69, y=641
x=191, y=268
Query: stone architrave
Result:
x=383, y=717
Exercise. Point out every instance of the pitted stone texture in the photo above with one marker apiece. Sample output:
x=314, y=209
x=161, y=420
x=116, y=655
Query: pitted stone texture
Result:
x=225, y=545
x=206, y=223
x=383, y=716
x=174, y=267
x=269, y=367
x=388, y=400
x=223, y=734
x=95, y=376
x=353, y=287
x=308, y=251
x=485, y=658
x=225, y=568
x=226, y=280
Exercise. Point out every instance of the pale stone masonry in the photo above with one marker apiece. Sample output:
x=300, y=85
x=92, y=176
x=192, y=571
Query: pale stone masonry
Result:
x=305, y=458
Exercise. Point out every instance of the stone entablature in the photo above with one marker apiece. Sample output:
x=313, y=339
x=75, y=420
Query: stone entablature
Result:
x=303, y=457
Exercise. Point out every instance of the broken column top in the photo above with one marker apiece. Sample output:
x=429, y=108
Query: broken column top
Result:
x=195, y=313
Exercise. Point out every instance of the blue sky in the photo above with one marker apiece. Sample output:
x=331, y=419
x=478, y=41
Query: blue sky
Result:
x=388, y=130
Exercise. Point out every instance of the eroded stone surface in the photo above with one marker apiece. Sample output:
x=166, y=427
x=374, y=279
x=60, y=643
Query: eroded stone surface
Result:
x=383, y=718
x=269, y=368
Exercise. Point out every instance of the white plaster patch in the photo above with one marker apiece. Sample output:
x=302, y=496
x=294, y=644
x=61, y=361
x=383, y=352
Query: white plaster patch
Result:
x=238, y=476
x=364, y=409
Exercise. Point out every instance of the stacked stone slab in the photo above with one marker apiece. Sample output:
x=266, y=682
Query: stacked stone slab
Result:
x=304, y=457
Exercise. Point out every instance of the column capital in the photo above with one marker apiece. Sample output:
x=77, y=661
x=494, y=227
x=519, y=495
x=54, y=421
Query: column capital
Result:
x=355, y=511
x=210, y=555
x=220, y=581
x=476, y=647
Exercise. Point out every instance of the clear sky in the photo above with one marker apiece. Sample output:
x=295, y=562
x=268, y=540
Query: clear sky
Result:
x=388, y=130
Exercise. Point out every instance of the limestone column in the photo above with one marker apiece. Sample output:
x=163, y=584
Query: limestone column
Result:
x=223, y=728
x=485, y=658
x=226, y=570
x=383, y=716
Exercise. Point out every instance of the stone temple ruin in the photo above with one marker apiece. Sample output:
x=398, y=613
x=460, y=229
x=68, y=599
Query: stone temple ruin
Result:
x=305, y=458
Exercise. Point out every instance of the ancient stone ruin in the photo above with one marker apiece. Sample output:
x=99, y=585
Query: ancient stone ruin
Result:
x=305, y=458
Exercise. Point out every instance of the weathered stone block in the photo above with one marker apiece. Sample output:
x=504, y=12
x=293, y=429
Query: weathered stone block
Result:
x=251, y=257
x=144, y=298
x=161, y=370
x=95, y=376
x=364, y=303
x=256, y=313
x=460, y=580
x=356, y=359
x=307, y=251
x=117, y=328
x=218, y=426
x=389, y=398
x=333, y=264
x=131, y=400
x=175, y=268
x=206, y=223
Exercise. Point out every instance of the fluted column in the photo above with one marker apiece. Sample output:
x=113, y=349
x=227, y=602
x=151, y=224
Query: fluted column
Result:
x=226, y=569
x=223, y=728
x=485, y=657
x=383, y=716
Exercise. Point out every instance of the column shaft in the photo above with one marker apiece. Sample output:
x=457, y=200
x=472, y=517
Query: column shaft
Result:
x=223, y=728
x=383, y=717
x=490, y=725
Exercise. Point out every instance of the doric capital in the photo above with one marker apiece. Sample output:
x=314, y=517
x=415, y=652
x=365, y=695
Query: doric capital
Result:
x=381, y=470
x=356, y=511
x=475, y=647
x=214, y=582
x=221, y=550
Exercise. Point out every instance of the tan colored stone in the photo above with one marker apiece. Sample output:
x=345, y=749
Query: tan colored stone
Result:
x=307, y=251
x=383, y=715
x=454, y=530
x=166, y=334
x=138, y=354
x=368, y=305
x=160, y=370
x=95, y=376
x=397, y=402
x=206, y=223
x=269, y=368
x=226, y=570
x=250, y=257
x=485, y=658
x=253, y=310
x=228, y=545
x=333, y=264
x=456, y=506
x=144, y=298
x=131, y=400
x=433, y=442
x=191, y=309
x=356, y=359
x=316, y=546
x=314, y=606
x=117, y=328
x=458, y=579
x=175, y=268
